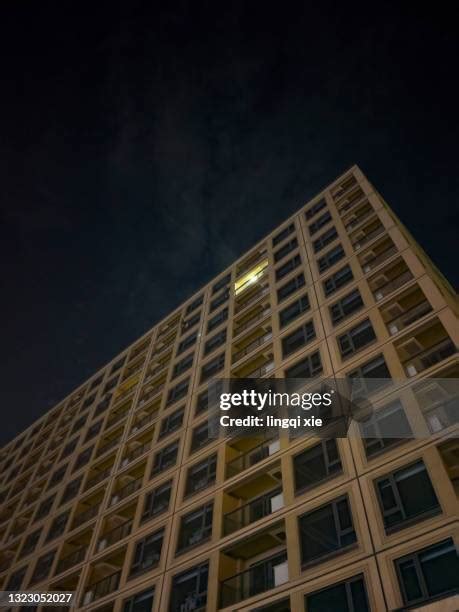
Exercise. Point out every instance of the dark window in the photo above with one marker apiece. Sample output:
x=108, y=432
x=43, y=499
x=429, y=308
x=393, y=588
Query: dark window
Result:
x=287, y=248
x=157, y=501
x=83, y=458
x=330, y=258
x=195, y=304
x=147, y=552
x=356, y=338
x=78, y=424
x=69, y=448
x=300, y=337
x=30, y=543
x=102, y=406
x=221, y=283
x=212, y=367
x=219, y=300
x=195, y=527
x=294, y=310
x=200, y=436
x=384, y=428
x=327, y=237
x=111, y=384
x=191, y=322
x=165, y=458
x=406, y=494
x=430, y=572
x=189, y=589
x=71, y=490
x=182, y=366
x=118, y=365
x=340, y=278
x=326, y=530
x=306, y=368
x=201, y=475
x=43, y=567
x=57, y=476
x=369, y=377
x=290, y=287
x=278, y=606
x=187, y=342
x=319, y=223
x=348, y=596
x=88, y=401
x=171, y=423
x=316, y=464
x=315, y=208
x=93, y=430
x=44, y=508
x=178, y=392
x=15, y=580
x=287, y=267
x=347, y=305
x=217, y=340
x=141, y=602
x=217, y=320
x=202, y=402
x=283, y=234
x=58, y=526
x=96, y=382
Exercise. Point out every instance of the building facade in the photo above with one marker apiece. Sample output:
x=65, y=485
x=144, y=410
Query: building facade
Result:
x=119, y=494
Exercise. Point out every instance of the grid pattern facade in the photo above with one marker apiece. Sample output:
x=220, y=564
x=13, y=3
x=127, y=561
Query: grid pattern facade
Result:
x=119, y=494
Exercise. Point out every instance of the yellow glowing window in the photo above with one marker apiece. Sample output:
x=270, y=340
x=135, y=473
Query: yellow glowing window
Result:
x=250, y=278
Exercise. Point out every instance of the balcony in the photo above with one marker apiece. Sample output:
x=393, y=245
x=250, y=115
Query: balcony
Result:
x=349, y=183
x=258, y=366
x=257, y=338
x=108, y=443
x=253, y=575
x=139, y=349
x=87, y=509
x=118, y=415
x=256, y=499
x=144, y=417
x=136, y=448
x=156, y=368
x=425, y=348
x=248, y=451
x=352, y=200
x=101, y=588
x=74, y=551
x=251, y=297
x=127, y=484
x=363, y=235
x=389, y=279
x=97, y=476
x=405, y=310
x=438, y=399
x=113, y=534
x=250, y=261
x=151, y=392
x=358, y=216
x=255, y=315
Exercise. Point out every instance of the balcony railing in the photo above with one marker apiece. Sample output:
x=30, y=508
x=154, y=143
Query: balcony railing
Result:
x=392, y=285
x=251, y=457
x=376, y=232
x=262, y=371
x=252, y=511
x=408, y=317
x=250, y=263
x=443, y=415
x=125, y=491
x=101, y=588
x=75, y=557
x=155, y=371
x=191, y=602
x=137, y=452
x=379, y=259
x=115, y=535
x=145, y=398
x=261, y=577
x=255, y=298
x=148, y=418
x=361, y=217
x=85, y=516
x=98, y=478
x=252, y=346
x=108, y=446
x=116, y=418
x=358, y=199
x=258, y=317
x=429, y=357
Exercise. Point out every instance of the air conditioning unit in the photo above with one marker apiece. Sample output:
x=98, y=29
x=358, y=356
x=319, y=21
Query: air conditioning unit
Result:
x=114, y=500
x=102, y=544
x=87, y=597
x=274, y=447
x=280, y=573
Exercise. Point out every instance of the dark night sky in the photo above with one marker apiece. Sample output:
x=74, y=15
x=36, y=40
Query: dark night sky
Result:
x=143, y=149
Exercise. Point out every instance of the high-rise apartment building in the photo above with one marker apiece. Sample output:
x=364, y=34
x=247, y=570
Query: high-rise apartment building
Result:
x=119, y=494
